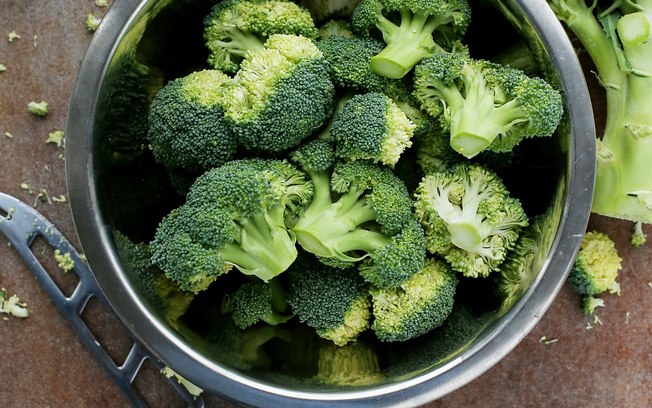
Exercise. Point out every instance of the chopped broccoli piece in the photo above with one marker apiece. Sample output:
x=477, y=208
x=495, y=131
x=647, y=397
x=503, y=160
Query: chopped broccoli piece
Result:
x=590, y=303
x=258, y=301
x=281, y=94
x=187, y=129
x=334, y=301
x=485, y=105
x=64, y=260
x=412, y=29
x=469, y=217
x=92, y=22
x=596, y=267
x=638, y=236
x=2, y=68
x=12, y=36
x=417, y=306
x=101, y=3
x=57, y=137
x=234, y=216
x=38, y=108
x=371, y=126
x=12, y=305
x=354, y=364
x=190, y=387
x=235, y=27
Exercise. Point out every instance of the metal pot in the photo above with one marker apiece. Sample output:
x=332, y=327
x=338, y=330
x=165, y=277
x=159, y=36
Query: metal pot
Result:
x=114, y=184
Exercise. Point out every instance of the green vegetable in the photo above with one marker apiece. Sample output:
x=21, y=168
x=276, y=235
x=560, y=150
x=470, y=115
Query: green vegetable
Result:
x=469, y=217
x=638, y=236
x=322, y=10
x=258, y=301
x=38, y=108
x=12, y=305
x=57, y=137
x=417, y=306
x=354, y=364
x=192, y=388
x=336, y=28
x=64, y=260
x=596, y=267
x=92, y=22
x=412, y=29
x=617, y=39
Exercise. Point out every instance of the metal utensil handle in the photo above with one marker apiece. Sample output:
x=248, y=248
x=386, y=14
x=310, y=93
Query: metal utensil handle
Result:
x=21, y=224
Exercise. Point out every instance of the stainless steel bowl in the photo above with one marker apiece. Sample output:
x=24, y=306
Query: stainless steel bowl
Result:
x=115, y=185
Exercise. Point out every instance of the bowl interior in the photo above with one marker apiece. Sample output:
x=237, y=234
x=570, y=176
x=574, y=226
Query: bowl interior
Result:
x=119, y=187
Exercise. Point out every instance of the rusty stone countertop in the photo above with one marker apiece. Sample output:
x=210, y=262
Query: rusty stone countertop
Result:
x=42, y=363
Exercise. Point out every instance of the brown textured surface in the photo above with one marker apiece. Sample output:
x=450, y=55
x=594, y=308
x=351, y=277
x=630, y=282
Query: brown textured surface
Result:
x=43, y=364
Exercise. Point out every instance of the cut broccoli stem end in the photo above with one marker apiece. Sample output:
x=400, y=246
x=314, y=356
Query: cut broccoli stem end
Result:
x=469, y=144
x=465, y=235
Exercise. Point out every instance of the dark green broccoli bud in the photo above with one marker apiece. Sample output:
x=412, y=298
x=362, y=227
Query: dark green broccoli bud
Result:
x=485, y=105
x=412, y=29
x=417, y=306
x=234, y=216
x=258, y=301
x=360, y=211
x=334, y=301
x=434, y=151
x=336, y=28
x=371, y=126
x=596, y=267
x=354, y=364
x=164, y=295
x=281, y=94
x=469, y=217
x=322, y=10
x=234, y=27
x=187, y=129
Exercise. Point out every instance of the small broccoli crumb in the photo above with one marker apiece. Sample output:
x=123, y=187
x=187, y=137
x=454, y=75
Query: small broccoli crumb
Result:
x=13, y=36
x=192, y=388
x=12, y=305
x=548, y=340
x=101, y=3
x=92, y=22
x=627, y=316
x=2, y=68
x=61, y=199
x=638, y=236
x=26, y=187
x=38, y=108
x=64, y=261
x=9, y=135
x=42, y=197
x=35, y=41
x=57, y=137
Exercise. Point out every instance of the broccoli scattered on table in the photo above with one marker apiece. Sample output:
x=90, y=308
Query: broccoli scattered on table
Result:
x=38, y=108
x=12, y=305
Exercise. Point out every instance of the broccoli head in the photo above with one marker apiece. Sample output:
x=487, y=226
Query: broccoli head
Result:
x=258, y=301
x=371, y=126
x=334, y=301
x=596, y=267
x=234, y=27
x=412, y=30
x=469, y=217
x=234, y=216
x=485, y=105
x=187, y=129
x=361, y=211
x=354, y=364
x=281, y=94
x=417, y=306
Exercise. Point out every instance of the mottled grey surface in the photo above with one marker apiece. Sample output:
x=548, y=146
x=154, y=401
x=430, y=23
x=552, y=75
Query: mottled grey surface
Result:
x=43, y=364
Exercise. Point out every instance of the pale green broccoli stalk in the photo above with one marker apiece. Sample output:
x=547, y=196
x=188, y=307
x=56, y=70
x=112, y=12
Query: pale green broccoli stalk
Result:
x=258, y=301
x=360, y=211
x=334, y=301
x=38, y=108
x=235, y=27
x=355, y=364
x=372, y=127
x=234, y=217
x=485, y=105
x=412, y=29
x=281, y=94
x=469, y=217
x=638, y=235
x=417, y=306
x=187, y=129
x=12, y=305
x=618, y=41
x=596, y=267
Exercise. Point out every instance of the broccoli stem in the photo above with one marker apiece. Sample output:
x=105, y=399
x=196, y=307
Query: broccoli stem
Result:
x=407, y=44
x=265, y=248
x=240, y=42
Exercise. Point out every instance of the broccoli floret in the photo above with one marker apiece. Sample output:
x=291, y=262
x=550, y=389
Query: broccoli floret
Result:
x=334, y=301
x=434, y=151
x=485, y=105
x=469, y=217
x=596, y=267
x=360, y=212
x=164, y=295
x=187, y=129
x=38, y=108
x=92, y=22
x=322, y=10
x=412, y=29
x=638, y=235
x=417, y=306
x=616, y=37
x=354, y=364
x=336, y=28
x=281, y=94
x=590, y=303
x=258, y=301
x=371, y=126
x=234, y=216
x=12, y=305
x=234, y=27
